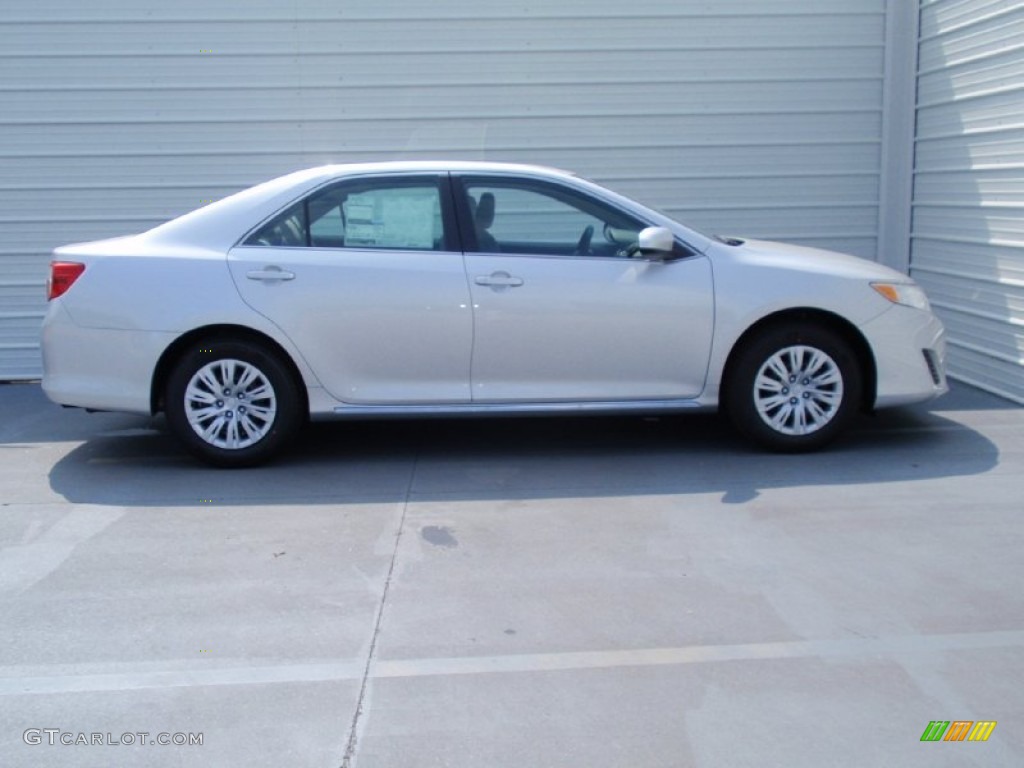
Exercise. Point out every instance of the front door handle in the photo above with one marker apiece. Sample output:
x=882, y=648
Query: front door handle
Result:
x=499, y=280
x=270, y=273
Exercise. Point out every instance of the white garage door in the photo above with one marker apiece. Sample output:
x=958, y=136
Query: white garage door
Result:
x=740, y=116
x=968, y=222
x=21, y=302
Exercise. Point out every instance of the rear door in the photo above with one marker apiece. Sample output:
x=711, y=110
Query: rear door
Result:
x=366, y=277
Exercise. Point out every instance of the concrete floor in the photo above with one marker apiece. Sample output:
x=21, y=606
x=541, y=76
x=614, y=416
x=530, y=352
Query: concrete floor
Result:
x=635, y=592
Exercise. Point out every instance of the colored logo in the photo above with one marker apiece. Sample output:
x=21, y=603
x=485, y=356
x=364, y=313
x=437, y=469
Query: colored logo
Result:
x=958, y=730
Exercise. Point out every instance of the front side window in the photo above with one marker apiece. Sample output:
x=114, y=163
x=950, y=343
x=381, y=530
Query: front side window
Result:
x=534, y=217
x=382, y=213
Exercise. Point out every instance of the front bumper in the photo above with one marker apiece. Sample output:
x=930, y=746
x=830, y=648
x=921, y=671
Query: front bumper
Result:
x=910, y=356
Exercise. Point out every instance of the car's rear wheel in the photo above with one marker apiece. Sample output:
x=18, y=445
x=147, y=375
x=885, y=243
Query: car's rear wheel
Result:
x=793, y=388
x=232, y=403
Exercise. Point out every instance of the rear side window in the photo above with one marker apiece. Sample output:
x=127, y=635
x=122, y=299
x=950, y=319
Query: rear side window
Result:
x=391, y=214
x=288, y=229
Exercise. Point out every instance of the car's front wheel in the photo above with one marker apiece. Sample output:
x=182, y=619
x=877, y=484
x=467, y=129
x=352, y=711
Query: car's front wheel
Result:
x=232, y=403
x=793, y=388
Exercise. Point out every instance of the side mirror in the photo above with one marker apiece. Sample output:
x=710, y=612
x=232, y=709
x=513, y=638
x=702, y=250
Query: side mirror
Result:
x=656, y=243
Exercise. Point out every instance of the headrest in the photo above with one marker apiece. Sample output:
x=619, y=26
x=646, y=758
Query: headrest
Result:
x=485, y=210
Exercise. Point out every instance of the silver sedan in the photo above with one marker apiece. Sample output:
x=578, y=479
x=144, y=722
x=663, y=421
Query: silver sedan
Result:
x=472, y=288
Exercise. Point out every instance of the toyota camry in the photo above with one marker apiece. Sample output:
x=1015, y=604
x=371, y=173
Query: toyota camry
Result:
x=419, y=289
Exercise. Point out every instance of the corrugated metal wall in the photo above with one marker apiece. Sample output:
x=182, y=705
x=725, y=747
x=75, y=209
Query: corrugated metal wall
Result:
x=739, y=116
x=967, y=243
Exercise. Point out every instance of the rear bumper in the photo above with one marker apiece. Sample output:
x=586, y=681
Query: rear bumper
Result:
x=98, y=368
x=910, y=356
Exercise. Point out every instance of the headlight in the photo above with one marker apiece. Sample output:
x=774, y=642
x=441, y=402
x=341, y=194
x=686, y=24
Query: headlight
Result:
x=908, y=294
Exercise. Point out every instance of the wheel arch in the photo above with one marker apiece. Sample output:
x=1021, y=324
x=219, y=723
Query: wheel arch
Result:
x=822, y=318
x=174, y=352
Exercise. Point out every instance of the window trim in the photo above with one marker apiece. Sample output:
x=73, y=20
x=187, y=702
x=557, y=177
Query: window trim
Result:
x=441, y=180
x=467, y=229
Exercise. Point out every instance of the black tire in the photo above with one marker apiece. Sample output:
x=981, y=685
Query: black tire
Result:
x=265, y=405
x=793, y=387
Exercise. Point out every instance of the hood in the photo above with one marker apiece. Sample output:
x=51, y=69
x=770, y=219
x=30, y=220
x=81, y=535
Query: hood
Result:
x=819, y=260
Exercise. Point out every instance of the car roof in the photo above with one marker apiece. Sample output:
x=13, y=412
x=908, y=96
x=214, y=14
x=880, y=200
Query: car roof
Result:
x=216, y=227
x=437, y=166
x=219, y=224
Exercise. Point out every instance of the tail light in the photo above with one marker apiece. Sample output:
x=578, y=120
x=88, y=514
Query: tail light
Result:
x=62, y=276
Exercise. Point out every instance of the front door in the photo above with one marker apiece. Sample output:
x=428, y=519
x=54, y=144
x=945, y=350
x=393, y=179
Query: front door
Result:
x=561, y=310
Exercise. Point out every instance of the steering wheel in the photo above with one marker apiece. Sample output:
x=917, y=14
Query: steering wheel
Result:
x=583, y=246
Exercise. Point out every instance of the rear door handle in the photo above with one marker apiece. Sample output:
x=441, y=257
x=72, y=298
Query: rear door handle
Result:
x=499, y=280
x=270, y=273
